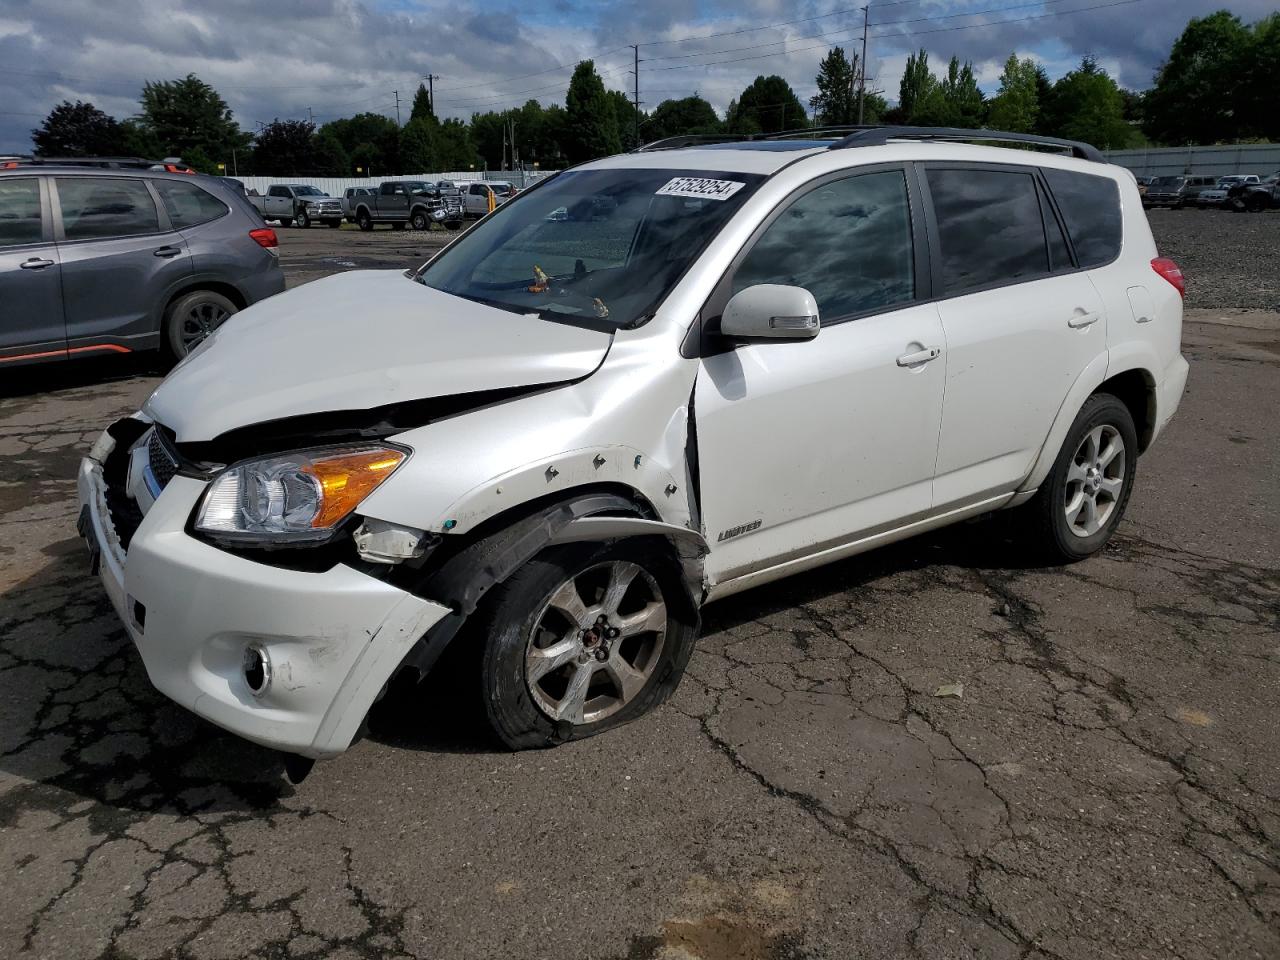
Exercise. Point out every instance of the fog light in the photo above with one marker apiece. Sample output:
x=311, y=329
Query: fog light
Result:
x=257, y=670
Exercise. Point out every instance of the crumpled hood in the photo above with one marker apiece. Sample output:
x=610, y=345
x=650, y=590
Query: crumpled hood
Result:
x=360, y=340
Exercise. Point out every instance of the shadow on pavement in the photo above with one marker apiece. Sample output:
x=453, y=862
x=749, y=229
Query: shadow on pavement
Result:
x=65, y=374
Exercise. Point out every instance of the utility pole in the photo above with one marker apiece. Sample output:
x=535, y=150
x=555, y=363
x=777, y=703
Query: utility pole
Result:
x=431, y=90
x=311, y=119
x=635, y=49
x=397, y=93
x=862, y=64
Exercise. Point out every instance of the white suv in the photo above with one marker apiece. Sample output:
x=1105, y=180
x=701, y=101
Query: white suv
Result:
x=649, y=382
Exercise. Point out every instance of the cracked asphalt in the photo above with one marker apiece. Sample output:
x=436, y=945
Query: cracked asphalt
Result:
x=1107, y=785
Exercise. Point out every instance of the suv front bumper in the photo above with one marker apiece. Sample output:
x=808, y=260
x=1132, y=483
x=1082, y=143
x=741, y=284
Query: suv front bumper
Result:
x=332, y=639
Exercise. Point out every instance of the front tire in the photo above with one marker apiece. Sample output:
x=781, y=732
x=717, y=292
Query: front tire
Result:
x=364, y=221
x=1081, y=502
x=303, y=219
x=419, y=221
x=583, y=638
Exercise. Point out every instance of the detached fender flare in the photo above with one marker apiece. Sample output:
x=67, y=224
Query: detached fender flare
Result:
x=463, y=579
x=1087, y=382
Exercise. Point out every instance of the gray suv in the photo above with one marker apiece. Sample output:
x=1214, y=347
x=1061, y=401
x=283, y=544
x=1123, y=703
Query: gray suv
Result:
x=96, y=260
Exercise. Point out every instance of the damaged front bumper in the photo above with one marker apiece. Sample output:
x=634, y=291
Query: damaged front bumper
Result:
x=330, y=640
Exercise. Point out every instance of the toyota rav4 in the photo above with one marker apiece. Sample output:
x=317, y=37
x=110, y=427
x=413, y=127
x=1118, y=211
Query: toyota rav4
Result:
x=649, y=382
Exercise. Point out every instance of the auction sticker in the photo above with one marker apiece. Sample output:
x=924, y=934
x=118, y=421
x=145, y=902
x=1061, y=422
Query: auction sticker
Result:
x=700, y=188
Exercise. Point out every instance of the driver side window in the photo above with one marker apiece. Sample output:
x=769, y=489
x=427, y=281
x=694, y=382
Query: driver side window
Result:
x=848, y=242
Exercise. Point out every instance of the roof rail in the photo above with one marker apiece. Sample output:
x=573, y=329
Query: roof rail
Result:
x=693, y=140
x=170, y=164
x=878, y=136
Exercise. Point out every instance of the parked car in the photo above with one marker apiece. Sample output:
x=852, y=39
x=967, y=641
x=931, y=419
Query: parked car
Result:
x=413, y=202
x=97, y=259
x=1216, y=196
x=349, y=195
x=299, y=203
x=1176, y=192
x=569, y=430
x=475, y=195
x=1256, y=197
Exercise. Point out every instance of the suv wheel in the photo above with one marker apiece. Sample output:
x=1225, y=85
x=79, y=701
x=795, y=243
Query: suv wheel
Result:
x=1080, y=503
x=419, y=221
x=303, y=219
x=583, y=638
x=191, y=318
x=364, y=221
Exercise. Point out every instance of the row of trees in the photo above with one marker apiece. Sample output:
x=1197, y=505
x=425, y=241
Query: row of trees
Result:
x=1218, y=85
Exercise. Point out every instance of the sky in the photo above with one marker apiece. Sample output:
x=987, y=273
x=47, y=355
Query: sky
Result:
x=294, y=59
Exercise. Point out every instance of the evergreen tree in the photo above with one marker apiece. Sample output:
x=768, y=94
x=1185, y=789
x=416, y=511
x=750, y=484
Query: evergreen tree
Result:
x=768, y=105
x=591, y=123
x=189, y=119
x=915, y=87
x=423, y=109
x=78, y=130
x=836, y=101
x=1016, y=105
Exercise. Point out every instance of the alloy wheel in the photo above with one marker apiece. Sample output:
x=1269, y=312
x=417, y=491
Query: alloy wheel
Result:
x=1095, y=480
x=595, y=643
x=202, y=319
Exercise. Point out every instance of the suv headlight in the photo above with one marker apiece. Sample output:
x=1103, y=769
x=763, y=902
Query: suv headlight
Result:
x=295, y=497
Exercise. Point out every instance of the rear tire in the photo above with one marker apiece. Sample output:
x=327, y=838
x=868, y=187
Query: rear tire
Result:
x=1082, y=500
x=621, y=645
x=191, y=318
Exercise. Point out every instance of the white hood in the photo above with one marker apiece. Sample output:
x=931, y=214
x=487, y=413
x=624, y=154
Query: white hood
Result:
x=360, y=340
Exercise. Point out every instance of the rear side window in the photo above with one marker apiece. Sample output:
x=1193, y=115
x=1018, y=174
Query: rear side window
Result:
x=989, y=227
x=187, y=204
x=848, y=242
x=97, y=207
x=19, y=211
x=1091, y=207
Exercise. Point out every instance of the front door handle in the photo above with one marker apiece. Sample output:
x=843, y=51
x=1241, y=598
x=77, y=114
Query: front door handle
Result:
x=167, y=251
x=35, y=263
x=1083, y=320
x=919, y=357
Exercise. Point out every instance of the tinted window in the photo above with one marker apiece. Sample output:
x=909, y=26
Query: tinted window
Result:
x=1091, y=207
x=19, y=211
x=1059, y=252
x=277, y=192
x=847, y=242
x=989, y=227
x=188, y=205
x=106, y=207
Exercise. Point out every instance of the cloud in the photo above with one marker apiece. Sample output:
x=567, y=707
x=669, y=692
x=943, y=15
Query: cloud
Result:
x=330, y=58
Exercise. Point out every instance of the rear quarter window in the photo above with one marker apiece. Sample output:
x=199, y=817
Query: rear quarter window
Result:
x=1090, y=206
x=187, y=204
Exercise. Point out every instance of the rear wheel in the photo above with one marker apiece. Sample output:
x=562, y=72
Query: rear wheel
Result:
x=364, y=221
x=1080, y=503
x=583, y=638
x=191, y=318
x=1255, y=204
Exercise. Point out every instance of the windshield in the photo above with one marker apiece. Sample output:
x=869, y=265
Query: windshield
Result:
x=416, y=186
x=308, y=192
x=596, y=247
x=1167, y=182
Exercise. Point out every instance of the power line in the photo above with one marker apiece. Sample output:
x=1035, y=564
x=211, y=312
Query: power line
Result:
x=771, y=26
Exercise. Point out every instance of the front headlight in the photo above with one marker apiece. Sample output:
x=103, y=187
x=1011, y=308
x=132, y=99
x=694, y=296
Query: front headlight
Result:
x=296, y=497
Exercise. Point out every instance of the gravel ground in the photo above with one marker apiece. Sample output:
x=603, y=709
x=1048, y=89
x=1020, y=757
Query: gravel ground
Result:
x=1229, y=258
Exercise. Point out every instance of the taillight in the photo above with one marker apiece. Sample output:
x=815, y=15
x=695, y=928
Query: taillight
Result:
x=1171, y=272
x=174, y=168
x=265, y=237
x=11, y=165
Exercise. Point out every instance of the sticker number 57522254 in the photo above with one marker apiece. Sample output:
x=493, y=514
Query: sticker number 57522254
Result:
x=700, y=187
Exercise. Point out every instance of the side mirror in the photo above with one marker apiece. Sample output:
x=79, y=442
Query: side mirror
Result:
x=771, y=311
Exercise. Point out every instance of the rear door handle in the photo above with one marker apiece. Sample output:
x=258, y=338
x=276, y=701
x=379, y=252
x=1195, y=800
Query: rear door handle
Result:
x=35, y=263
x=919, y=357
x=1083, y=320
x=167, y=251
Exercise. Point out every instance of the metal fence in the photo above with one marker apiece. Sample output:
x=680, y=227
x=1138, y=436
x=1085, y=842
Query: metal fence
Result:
x=334, y=186
x=1259, y=158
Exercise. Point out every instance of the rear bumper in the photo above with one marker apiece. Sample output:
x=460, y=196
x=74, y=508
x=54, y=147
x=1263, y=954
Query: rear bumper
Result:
x=332, y=639
x=1169, y=393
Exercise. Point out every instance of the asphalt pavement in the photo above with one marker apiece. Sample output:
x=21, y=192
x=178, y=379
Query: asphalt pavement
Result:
x=1107, y=783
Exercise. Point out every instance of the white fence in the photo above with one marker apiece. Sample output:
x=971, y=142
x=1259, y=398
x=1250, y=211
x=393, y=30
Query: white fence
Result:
x=334, y=186
x=1259, y=158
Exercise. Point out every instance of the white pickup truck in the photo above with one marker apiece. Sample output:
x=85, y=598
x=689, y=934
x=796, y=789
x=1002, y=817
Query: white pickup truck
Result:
x=298, y=203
